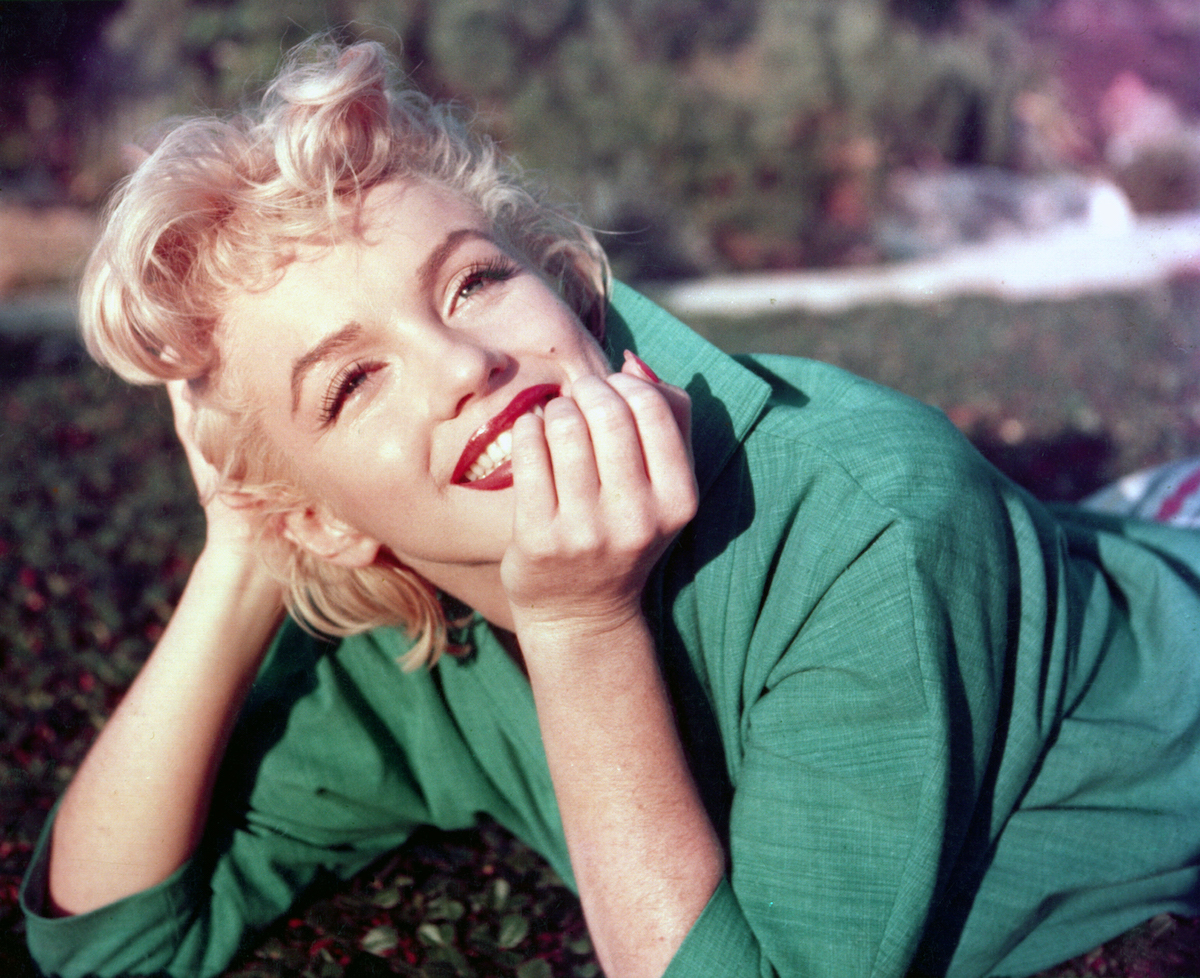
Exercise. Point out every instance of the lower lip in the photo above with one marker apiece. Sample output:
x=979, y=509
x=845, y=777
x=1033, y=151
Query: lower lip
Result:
x=499, y=478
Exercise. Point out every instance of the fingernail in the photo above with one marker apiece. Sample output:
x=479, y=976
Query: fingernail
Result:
x=649, y=374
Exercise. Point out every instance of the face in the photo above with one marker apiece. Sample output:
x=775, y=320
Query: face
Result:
x=391, y=366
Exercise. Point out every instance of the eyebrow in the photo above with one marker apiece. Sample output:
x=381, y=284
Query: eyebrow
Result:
x=350, y=333
x=328, y=347
x=427, y=273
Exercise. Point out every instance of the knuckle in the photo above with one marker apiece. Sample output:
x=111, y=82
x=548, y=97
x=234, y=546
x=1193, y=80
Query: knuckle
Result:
x=605, y=409
x=562, y=422
x=646, y=399
x=585, y=540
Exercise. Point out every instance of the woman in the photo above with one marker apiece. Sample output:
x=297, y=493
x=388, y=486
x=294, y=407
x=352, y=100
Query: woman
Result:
x=777, y=672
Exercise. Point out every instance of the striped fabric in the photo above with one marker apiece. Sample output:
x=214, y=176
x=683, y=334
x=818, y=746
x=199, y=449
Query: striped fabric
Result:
x=1167, y=493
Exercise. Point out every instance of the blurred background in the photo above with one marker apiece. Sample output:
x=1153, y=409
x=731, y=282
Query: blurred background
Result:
x=709, y=135
x=993, y=205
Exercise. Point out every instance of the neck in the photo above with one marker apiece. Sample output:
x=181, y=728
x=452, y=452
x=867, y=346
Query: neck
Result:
x=477, y=586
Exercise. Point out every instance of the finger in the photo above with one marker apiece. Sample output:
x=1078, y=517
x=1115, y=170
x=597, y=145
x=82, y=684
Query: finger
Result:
x=662, y=421
x=181, y=407
x=613, y=433
x=637, y=367
x=681, y=404
x=681, y=408
x=204, y=474
x=572, y=454
x=536, y=498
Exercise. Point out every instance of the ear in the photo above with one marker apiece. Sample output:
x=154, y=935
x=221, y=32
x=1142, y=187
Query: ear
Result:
x=321, y=533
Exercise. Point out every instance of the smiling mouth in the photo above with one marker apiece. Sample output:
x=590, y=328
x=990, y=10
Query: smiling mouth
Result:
x=486, y=462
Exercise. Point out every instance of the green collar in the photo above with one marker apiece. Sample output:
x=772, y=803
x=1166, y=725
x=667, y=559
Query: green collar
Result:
x=726, y=397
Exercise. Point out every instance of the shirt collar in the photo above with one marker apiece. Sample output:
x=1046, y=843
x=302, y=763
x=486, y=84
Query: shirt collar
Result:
x=726, y=397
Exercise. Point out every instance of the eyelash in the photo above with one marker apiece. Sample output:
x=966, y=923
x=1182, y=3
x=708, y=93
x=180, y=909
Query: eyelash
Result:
x=349, y=378
x=347, y=381
x=496, y=269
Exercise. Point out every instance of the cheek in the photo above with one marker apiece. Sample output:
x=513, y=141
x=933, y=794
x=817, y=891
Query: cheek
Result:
x=572, y=339
x=379, y=463
x=593, y=352
x=561, y=329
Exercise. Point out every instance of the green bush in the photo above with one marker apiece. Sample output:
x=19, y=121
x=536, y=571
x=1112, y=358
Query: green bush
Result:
x=714, y=134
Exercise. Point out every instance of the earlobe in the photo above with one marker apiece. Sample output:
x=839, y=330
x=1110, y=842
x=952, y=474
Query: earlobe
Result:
x=321, y=533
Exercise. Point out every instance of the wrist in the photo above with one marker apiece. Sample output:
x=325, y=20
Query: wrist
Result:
x=234, y=598
x=568, y=629
x=587, y=652
x=234, y=570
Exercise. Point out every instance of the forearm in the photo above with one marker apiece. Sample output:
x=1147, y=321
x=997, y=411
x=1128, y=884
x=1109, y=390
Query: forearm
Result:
x=137, y=806
x=644, y=853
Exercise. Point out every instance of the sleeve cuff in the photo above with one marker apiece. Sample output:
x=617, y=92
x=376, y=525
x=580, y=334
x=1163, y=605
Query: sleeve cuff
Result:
x=98, y=942
x=720, y=941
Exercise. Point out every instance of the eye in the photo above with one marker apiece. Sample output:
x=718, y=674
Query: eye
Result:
x=482, y=274
x=347, y=380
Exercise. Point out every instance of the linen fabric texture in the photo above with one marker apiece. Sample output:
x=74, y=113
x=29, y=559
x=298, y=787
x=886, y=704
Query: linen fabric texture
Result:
x=941, y=728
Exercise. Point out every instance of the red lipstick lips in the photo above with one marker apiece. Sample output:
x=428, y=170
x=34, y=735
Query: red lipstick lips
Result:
x=477, y=444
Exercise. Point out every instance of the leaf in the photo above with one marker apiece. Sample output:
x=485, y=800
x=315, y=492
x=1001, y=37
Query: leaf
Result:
x=435, y=935
x=454, y=961
x=380, y=940
x=513, y=930
x=535, y=968
x=444, y=908
x=386, y=899
x=500, y=893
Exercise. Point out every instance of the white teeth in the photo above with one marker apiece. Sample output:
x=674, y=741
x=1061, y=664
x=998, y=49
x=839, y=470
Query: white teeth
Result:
x=497, y=453
x=501, y=448
x=492, y=457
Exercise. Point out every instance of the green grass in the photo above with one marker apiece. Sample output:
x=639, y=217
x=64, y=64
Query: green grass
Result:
x=98, y=527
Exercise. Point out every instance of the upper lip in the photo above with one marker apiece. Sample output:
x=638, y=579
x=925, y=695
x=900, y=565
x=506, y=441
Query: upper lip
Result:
x=524, y=402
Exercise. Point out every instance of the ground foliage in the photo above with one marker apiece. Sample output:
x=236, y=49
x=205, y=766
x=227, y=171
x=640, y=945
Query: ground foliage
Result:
x=98, y=527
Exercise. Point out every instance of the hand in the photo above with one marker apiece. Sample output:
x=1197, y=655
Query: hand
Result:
x=229, y=516
x=603, y=484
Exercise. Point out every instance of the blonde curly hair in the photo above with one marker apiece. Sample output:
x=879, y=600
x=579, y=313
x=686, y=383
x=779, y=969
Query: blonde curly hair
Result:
x=222, y=205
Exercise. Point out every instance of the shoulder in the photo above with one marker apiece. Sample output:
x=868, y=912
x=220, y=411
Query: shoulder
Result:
x=903, y=456
x=846, y=499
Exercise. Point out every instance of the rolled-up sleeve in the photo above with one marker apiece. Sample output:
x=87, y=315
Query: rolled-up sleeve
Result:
x=313, y=783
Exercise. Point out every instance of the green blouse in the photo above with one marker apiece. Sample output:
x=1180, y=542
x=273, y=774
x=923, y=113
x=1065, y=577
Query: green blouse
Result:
x=939, y=727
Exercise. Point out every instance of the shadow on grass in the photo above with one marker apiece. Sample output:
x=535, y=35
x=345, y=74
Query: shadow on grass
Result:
x=1065, y=468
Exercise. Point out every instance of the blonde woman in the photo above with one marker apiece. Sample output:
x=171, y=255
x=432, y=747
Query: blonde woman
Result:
x=777, y=672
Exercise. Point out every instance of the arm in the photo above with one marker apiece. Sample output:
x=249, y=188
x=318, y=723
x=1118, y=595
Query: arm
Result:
x=602, y=487
x=136, y=808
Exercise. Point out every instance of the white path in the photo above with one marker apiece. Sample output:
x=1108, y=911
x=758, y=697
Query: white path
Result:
x=1058, y=264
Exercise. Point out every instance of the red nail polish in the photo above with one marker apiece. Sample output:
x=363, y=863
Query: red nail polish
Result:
x=641, y=364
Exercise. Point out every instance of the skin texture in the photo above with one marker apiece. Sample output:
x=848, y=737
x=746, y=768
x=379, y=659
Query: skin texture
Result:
x=444, y=356
x=376, y=390
x=150, y=771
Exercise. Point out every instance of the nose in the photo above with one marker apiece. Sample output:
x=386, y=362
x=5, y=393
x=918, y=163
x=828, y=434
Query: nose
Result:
x=459, y=366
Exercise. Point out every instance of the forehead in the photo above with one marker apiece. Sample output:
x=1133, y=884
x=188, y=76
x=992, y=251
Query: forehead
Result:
x=410, y=215
x=416, y=209
x=399, y=225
